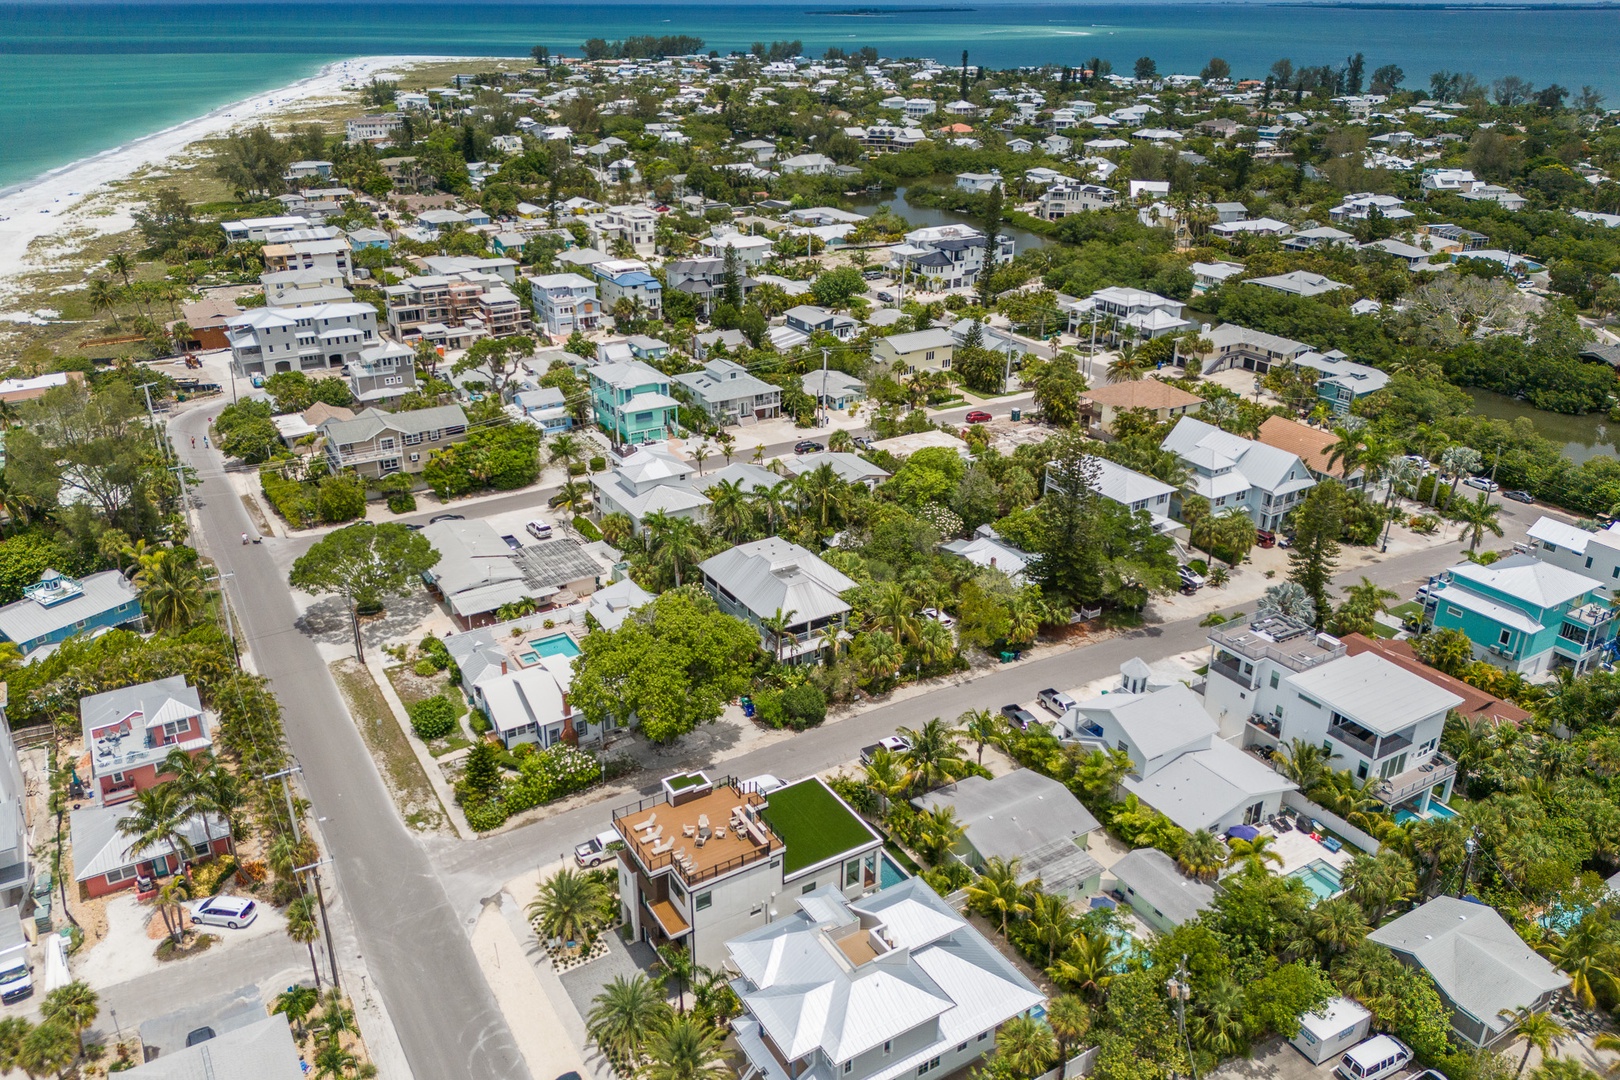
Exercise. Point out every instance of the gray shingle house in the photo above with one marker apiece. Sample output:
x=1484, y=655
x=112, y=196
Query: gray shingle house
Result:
x=757, y=581
x=1157, y=891
x=376, y=443
x=728, y=393
x=1480, y=966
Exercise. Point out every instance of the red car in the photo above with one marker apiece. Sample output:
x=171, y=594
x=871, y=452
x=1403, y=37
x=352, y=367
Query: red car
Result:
x=978, y=416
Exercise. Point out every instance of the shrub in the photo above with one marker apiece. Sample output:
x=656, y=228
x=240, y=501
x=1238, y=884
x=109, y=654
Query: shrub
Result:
x=598, y=463
x=803, y=706
x=434, y=717
x=425, y=668
x=576, y=468
x=402, y=503
x=211, y=876
x=433, y=649
x=483, y=817
x=587, y=528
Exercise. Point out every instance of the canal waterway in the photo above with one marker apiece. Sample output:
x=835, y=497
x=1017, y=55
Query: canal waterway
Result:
x=1582, y=437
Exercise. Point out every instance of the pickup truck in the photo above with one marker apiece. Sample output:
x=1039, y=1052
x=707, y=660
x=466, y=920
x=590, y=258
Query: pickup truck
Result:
x=894, y=744
x=599, y=848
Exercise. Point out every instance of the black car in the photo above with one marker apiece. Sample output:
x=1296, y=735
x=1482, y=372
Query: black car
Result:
x=1519, y=496
x=446, y=517
x=808, y=446
x=1018, y=716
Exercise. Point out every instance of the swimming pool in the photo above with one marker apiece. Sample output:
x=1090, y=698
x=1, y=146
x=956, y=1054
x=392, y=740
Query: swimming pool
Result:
x=1321, y=877
x=889, y=871
x=556, y=645
x=1438, y=811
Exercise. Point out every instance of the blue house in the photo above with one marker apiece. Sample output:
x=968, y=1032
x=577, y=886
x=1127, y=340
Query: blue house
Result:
x=1522, y=614
x=56, y=608
x=546, y=408
x=360, y=239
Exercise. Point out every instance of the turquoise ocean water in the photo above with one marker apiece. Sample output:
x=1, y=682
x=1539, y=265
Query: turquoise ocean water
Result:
x=79, y=78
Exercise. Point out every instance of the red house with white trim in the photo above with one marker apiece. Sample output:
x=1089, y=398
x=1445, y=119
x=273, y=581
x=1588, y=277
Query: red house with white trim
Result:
x=128, y=734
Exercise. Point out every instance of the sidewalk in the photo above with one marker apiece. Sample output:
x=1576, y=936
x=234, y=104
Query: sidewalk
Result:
x=430, y=764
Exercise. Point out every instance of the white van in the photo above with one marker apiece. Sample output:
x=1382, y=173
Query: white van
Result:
x=1378, y=1057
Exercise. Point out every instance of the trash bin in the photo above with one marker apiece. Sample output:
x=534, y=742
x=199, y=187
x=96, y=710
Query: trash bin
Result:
x=1017, y=415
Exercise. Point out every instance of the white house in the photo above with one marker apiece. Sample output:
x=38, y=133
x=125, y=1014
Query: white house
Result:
x=1229, y=470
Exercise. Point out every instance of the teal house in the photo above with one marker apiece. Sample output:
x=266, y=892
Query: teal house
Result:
x=57, y=607
x=1522, y=614
x=632, y=402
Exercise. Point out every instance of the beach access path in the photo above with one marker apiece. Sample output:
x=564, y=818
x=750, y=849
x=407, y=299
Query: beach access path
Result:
x=76, y=201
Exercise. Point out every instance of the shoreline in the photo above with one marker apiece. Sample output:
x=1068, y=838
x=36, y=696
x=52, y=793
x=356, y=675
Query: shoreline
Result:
x=59, y=200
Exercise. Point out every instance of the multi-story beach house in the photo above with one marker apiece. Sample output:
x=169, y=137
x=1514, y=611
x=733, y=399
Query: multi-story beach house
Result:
x=267, y=340
x=331, y=255
x=629, y=279
x=129, y=734
x=379, y=129
x=376, y=443
x=729, y=394
x=708, y=859
x=1523, y=614
x=383, y=374
x=631, y=401
x=57, y=607
x=565, y=303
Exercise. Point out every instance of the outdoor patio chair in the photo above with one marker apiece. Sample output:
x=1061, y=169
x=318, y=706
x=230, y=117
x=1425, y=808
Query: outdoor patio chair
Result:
x=660, y=848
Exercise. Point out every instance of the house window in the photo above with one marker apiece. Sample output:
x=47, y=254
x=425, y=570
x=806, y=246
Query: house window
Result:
x=385, y=444
x=1589, y=562
x=983, y=1035
x=123, y=873
x=961, y=1047
x=174, y=729
x=1275, y=679
x=809, y=888
x=702, y=901
x=117, y=777
x=849, y=1066
x=1455, y=613
x=389, y=465
x=1121, y=745
x=1311, y=702
x=888, y=1047
x=1504, y=637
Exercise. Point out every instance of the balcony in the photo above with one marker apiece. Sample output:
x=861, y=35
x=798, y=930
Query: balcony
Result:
x=1403, y=786
x=1295, y=648
x=1232, y=668
x=1374, y=747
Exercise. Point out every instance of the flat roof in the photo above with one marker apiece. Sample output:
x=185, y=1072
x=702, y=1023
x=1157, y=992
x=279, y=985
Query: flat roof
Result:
x=1379, y=695
x=814, y=823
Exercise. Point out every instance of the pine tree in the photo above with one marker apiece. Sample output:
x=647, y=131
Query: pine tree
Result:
x=481, y=775
x=1315, y=555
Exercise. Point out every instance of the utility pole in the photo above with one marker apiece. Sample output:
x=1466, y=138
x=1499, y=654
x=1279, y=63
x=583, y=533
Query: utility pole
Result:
x=1180, y=990
x=286, y=789
x=821, y=399
x=314, y=869
x=1470, y=845
x=157, y=432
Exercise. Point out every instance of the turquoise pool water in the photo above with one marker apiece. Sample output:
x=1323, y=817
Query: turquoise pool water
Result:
x=1438, y=811
x=557, y=645
x=889, y=872
x=1321, y=878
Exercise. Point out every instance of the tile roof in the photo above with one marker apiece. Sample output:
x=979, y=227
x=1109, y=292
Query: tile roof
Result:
x=1147, y=393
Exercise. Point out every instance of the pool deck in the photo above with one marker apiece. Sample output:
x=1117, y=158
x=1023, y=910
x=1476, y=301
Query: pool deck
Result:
x=1298, y=849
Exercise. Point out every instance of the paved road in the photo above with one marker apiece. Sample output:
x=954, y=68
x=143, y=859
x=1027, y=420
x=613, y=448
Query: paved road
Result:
x=413, y=941
x=475, y=870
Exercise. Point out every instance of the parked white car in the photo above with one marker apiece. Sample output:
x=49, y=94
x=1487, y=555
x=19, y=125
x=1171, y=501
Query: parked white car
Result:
x=231, y=911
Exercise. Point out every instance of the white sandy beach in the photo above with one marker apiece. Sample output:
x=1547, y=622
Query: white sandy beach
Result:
x=74, y=198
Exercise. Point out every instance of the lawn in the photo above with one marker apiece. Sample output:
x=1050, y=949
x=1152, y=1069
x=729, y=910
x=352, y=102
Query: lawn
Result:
x=813, y=823
x=417, y=801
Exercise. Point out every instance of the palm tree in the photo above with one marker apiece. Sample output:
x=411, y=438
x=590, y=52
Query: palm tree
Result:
x=673, y=542
x=75, y=1006
x=878, y=656
x=938, y=832
x=1051, y=921
x=303, y=927
x=778, y=626
x=568, y=905
x=731, y=515
x=934, y=757
x=1346, y=452
x=120, y=263
x=894, y=611
x=824, y=493
x=13, y=1029
x=173, y=592
x=334, y=1061
x=103, y=296
x=1128, y=366
x=700, y=453
x=935, y=643
x=683, y=1048
x=616, y=528
x=624, y=1015
x=1477, y=518
x=1254, y=855
x=566, y=448
x=1438, y=842
x=571, y=496
x=840, y=442
x=1587, y=958
x=886, y=776
x=1202, y=856
x=296, y=1003
x=981, y=726
x=772, y=502
x=47, y=1047
x=1538, y=1031
x=1337, y=925
x=831, y=637
x=675, y=962
x=157, y=820
x=1379, y=882
x=996, y=891
x=1088, y=963
x=1306, y=764
x=1369, y=595
x=1219, y=1026
x=1026, y=1045
x=1069, y=1020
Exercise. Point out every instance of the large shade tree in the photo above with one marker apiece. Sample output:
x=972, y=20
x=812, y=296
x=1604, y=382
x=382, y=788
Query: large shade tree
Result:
x=365, y=564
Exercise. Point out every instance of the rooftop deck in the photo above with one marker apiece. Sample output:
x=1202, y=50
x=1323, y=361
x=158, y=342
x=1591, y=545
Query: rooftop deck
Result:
x=700, y=838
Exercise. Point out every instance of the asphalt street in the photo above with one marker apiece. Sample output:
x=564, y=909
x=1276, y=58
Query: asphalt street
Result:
x=413, y=941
